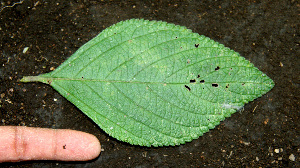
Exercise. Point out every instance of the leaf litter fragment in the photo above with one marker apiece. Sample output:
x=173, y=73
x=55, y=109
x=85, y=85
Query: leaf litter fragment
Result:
x=151, y=83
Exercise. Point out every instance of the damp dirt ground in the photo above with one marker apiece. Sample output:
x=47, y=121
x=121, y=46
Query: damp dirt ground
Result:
x=264, y=134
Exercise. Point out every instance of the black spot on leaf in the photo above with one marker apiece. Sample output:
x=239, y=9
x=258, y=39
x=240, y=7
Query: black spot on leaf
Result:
x=198, y=76
x=214, y=85
x=202, y=81
x=192, y=81
x=217, y=68
x=243, y=84
x=196, y=45
x=187, y=87
x=227, y=86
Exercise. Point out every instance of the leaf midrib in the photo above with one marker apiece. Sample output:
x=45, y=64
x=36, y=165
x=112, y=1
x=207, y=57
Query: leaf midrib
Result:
x=49, y=80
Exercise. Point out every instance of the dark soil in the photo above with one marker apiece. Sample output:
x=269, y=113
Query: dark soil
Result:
x=264, y=134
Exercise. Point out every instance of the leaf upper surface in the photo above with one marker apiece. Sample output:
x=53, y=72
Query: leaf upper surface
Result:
x=152, y=83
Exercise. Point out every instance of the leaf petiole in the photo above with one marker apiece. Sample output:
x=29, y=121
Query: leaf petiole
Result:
x=36, y=79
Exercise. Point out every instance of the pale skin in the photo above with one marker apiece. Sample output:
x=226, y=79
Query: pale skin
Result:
x=18, y=143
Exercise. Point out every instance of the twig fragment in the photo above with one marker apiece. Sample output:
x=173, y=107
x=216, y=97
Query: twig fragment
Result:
x=10, y=6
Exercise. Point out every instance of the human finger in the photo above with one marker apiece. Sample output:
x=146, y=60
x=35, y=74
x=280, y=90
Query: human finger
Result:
x=18, y=143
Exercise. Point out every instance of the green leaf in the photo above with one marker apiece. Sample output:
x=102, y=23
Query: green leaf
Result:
x=152, y=83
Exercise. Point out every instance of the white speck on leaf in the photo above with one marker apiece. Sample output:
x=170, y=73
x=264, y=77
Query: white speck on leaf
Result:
x=230, y=106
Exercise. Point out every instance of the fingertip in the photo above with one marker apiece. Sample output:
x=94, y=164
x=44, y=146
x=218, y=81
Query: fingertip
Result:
x=76, y=146
x=93, y=147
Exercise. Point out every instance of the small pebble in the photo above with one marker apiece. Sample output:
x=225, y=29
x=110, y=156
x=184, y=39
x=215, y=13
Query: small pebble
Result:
x=292, y=157
x=280, y=64
x=25, y=50
x=276, y=150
